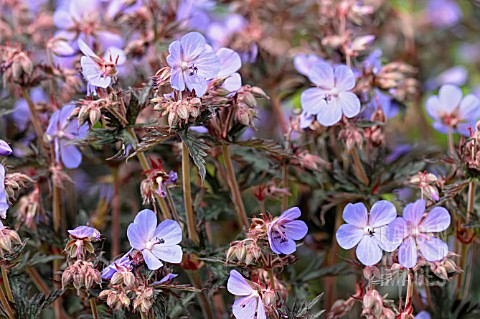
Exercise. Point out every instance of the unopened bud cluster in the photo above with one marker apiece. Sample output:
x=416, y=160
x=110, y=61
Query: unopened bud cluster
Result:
x=82, y=274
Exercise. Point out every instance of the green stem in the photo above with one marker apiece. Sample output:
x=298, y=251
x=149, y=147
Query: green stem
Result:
x=33, y=116
x=471, y=200
x=408, y=297
x=146, y=166
x=360, y=169
x=187, y=195
x=93, y=305
x=6, y=305
x=236, y=195
x=285, y=185
x=451, y=146
x=272, y=278
x=8, y=290
x=464, y=246
x=116, y=213
x=429, y=295
x=330, y=287
x=202, y=297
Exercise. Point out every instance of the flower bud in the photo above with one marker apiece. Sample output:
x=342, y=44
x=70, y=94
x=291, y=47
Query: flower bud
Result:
x=5, y=149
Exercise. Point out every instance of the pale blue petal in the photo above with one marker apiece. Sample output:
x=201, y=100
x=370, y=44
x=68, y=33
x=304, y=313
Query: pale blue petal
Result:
x=434, y=108
x=438, y=219
x=291, y=214
x=193, y=44
x=70, y=154
x=147, y=223
x=177, y=80
x=304, y=62
x=368, y=252
x=52, y=129
x=171, y=254
x=137, y=239
x=469, y=108
x=230, y=62
x=432, y=248
x=330, y=113
x=295, y=229
x=321, y=74
x=197, y=83
x=245, y=308
x=237, y=285
x=407, y=253
x=423, y=315
x=349, y=103
x=413, y=212
x=348, y=236
x=261, y=310
x=233, y=82
x=313, y=100
x=170, y=231
x=356, y=215
x=86, y=50
x=344, y=78
x=152, y=262
x=175, y=56
x=450, y=96
x=383, y=241
x=207, y=65
x=382, y=213
x=397, y=230
x=5, y=149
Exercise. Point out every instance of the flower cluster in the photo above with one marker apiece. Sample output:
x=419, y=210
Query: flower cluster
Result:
x=382, y=230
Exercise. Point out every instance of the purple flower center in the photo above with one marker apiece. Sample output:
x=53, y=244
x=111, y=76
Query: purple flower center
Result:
x=279, y=233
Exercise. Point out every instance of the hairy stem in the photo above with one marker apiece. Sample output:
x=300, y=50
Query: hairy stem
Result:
x=187, y=195
x=116, y=213
x=8, y=290
x=93, y=305
x=360, y=169
x=236, y=195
